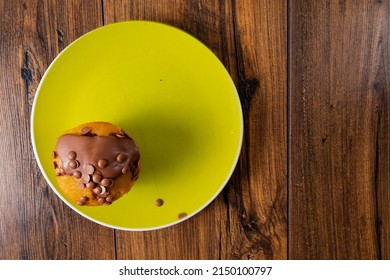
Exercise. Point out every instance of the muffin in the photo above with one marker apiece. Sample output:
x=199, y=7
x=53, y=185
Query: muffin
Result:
x=96, y=163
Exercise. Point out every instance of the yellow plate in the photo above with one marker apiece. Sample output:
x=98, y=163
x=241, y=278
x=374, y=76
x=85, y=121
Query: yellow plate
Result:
x=170, y=93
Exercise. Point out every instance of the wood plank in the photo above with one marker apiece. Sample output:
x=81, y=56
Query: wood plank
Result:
x=339, y=130
x=261, y=35
x=381, y=87
x=34, y=223
x=248, y=220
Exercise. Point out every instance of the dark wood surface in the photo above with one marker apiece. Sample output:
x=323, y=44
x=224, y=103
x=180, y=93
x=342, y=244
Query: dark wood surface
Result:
x=313, y=179
x=339, y=141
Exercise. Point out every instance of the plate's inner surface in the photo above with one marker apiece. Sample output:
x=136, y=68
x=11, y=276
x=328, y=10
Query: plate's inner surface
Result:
x=170, y=93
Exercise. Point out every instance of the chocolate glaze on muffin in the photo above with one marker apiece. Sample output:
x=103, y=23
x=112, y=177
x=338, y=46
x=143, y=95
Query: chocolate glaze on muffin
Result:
x=96, y=163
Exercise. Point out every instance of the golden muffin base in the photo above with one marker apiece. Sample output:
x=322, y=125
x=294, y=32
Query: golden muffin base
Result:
x=69, y=185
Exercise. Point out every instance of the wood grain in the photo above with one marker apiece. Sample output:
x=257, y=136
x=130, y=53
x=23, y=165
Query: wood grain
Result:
x=339, y=130
x=34, y=223
x=248, y=221
x=313, y=177
x=261, y=41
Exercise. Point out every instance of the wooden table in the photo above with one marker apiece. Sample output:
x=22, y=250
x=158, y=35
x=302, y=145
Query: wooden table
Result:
x=313, y=179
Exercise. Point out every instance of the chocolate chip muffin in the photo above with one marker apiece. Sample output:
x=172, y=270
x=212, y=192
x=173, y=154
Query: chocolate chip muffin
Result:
x=96, y=163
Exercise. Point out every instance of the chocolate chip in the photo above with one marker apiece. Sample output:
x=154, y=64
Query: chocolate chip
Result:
x=182, y=215
x=96, y=177
x=97, y=190
x=80, y=203
x=77, y=174
x=74, y=164
x=85, y=178
x=62, y=171
x=134, y=167
x=135, y=177
x=89, y=169
x=81, y=185
x=121, y=158
x=90, y=185
x=101, y=200
x=102, y=163
x=58, y=172
x=55, y=164
x=104, y=191
x=159, y=202
x=125, y=170
x=54, y=154
x=137, y=172
x=98, y=172
x=85, y=130
x=104, y=194
x=110, y=198
x=84, y=199
x=107, y=203
x=106, y=182
x=72, y=155
x=122, y=134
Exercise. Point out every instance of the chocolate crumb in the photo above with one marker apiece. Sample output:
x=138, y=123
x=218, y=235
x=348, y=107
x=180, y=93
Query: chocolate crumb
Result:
x=182, y=215
x=159, y=202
